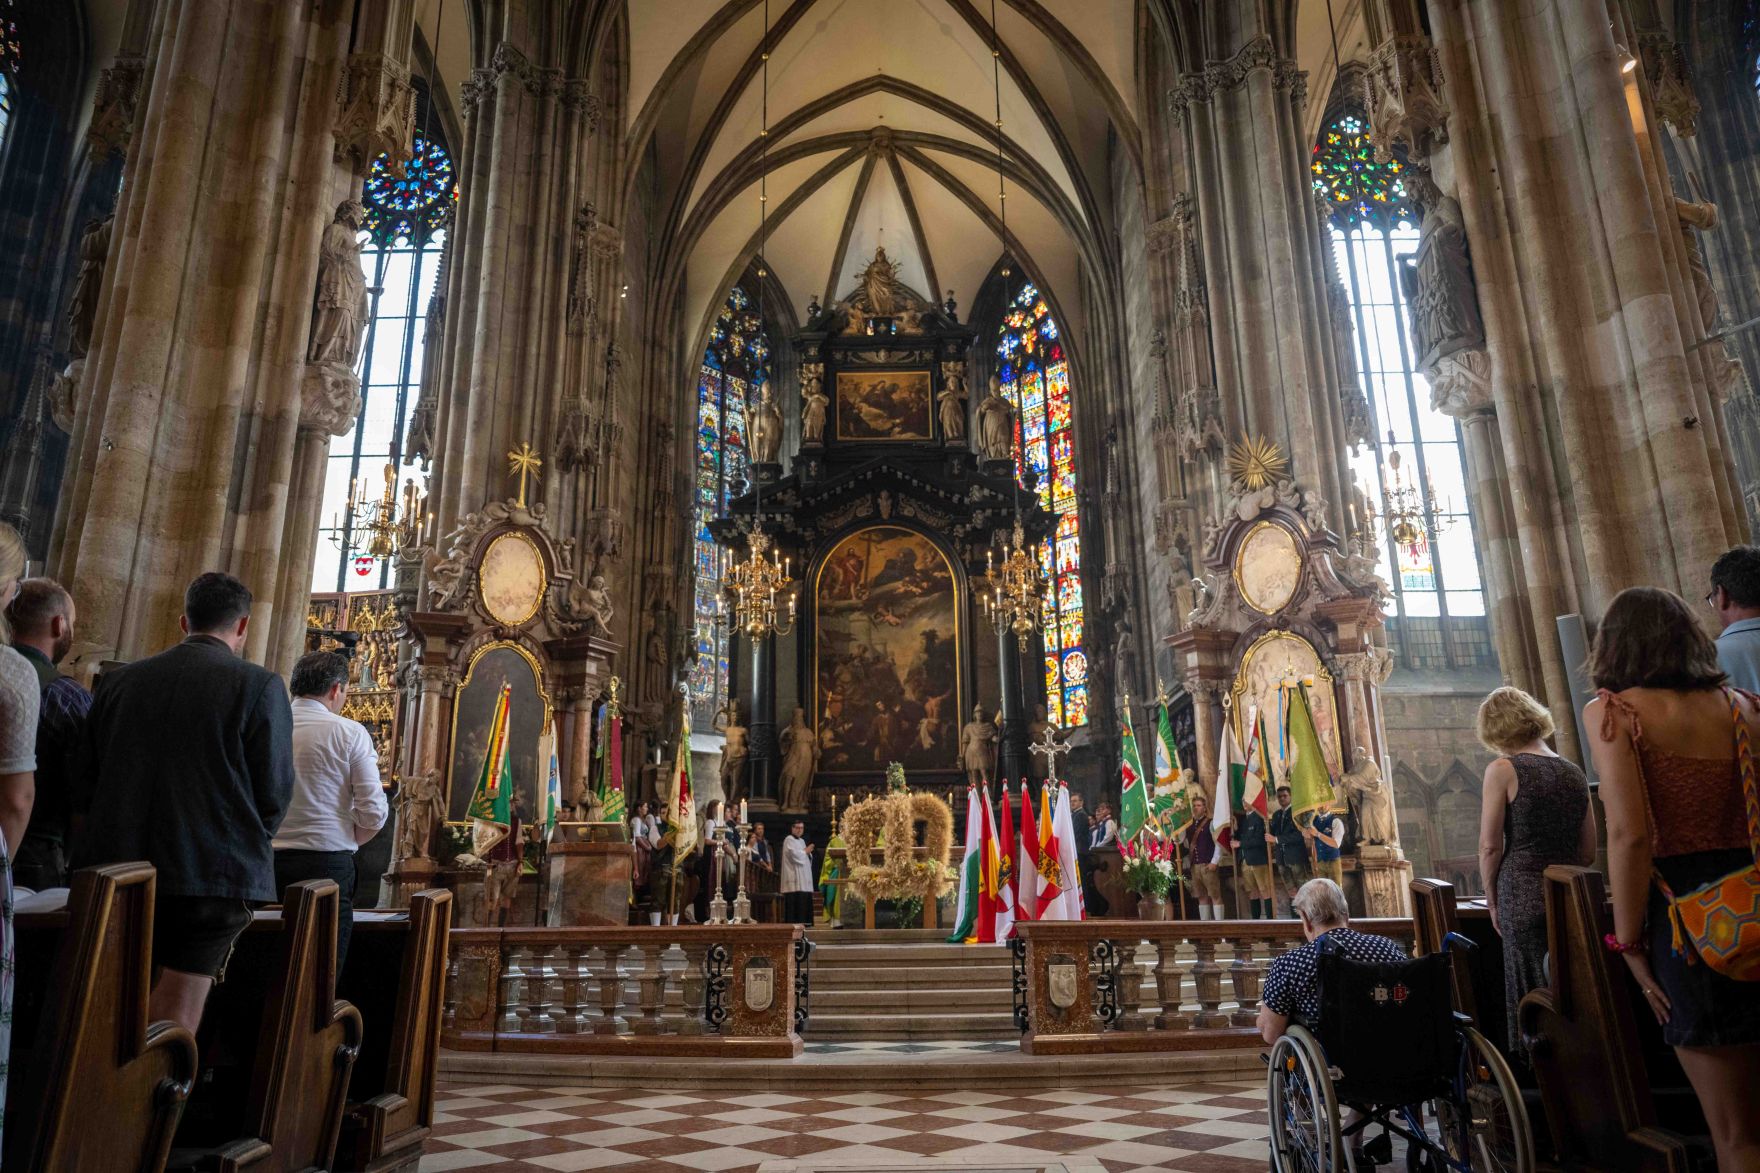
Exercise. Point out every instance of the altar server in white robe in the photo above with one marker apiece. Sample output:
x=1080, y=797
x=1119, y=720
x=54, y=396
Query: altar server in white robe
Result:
x=797, y=876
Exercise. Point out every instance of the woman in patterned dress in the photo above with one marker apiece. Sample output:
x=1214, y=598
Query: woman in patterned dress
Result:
x=20, y=695
x=1535, y=813
x=1664, y=732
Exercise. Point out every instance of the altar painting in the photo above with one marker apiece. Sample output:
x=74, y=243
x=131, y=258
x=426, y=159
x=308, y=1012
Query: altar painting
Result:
x=472, y=712
x=883, y=405
x=1276, y=661
x=885, y=654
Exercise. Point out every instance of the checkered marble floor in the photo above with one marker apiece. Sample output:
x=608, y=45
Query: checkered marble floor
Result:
x=1210, y=1127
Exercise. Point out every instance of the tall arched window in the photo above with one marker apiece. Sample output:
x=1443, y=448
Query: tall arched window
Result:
x=1418, y=449
x=736, y=364
x=1035, y=378
x=404, y=232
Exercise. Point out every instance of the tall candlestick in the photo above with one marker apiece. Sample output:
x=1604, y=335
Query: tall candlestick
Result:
x=742, y=812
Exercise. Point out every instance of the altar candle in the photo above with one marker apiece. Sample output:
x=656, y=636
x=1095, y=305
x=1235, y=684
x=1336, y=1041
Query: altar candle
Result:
x=742, y=812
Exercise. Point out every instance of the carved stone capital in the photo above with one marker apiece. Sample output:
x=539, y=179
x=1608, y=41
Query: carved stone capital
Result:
x=1402, y=93
x=1369, y=667
x=113, y=108
x=1460, y=383
x=329, y=398
x=1671, y=82
x=577, y=97
x=378, y=113
x=476, y=89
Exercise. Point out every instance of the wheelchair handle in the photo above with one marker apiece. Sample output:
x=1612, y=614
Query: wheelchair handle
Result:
x=1455, y=940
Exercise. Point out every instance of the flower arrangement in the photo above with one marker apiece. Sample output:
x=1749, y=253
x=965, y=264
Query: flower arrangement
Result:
x=888, y=822
x=1148, y=867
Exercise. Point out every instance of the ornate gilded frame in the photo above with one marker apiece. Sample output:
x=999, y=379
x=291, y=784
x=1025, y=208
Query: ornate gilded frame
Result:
x=1322, y=685
x=543, y=577
x=471, y=671
x=1240, y=552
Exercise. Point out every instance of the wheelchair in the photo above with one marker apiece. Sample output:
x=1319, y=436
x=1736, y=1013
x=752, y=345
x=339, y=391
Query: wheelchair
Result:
x=1390, y=1045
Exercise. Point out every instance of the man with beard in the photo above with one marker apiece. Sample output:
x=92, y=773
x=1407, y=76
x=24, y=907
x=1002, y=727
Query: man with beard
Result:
x=41, y=616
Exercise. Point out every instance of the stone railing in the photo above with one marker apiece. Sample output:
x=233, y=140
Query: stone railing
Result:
x=1096, y=986
x=686, y=990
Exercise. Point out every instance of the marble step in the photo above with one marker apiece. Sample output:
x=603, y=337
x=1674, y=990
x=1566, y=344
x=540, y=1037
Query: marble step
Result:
x=898, y=1003
x=904, y=956
x=825, y=1026
x=977, y=977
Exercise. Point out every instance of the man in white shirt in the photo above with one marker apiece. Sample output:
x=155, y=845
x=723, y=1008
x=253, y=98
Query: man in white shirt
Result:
x=337, y=802
x=797, y=876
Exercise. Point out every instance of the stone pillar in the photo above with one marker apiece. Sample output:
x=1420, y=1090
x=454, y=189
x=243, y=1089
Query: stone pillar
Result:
x=1012, y=753
x=764, y=760
x=185, y=454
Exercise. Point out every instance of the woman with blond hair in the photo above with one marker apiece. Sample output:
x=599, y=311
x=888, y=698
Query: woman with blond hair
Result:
x=1535, y=813
x=1671, y=743
x=20, y=695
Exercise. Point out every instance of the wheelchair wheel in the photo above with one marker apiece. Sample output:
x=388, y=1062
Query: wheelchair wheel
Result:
x=1304, y=1111
x=1486, y=1130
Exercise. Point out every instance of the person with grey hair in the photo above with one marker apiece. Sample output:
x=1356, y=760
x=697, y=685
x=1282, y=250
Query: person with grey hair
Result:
x=1292, y=984
x=338, y=803
x=41, y=619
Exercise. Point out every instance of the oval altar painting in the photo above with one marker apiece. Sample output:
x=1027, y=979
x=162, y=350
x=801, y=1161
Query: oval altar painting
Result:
x=1268, y=568
x=511, y=579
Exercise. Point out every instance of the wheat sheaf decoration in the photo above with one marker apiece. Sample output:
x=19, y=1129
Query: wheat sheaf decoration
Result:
x=888, y=822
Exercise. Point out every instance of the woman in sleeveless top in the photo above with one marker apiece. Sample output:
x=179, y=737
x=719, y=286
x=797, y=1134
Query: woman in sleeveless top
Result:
x=19, y=697
x=1535, y=813
x=1662, y=734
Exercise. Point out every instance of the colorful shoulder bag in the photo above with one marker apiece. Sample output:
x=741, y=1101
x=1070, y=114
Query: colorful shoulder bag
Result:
x=1721, y=921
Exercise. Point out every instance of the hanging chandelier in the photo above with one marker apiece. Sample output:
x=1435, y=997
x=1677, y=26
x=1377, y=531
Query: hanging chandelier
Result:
x=388, y=530
x=1015, y=600
x=760, y=586
x=1413, y=513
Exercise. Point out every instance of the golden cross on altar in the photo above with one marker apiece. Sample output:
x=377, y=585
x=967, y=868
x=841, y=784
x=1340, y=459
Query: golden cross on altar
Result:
x=524, y=461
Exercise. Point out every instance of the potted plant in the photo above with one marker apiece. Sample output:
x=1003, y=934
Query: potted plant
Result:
x=1148, y=871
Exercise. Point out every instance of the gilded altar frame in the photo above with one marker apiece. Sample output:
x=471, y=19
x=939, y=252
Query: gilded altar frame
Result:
x=1323, y=696
x=470, y=672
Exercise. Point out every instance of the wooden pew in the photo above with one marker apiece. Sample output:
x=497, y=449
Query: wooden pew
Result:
x=1433, y=919
x=1595, y=1077
x=306, y=1046
x=391, y=1096
x=104, y=1087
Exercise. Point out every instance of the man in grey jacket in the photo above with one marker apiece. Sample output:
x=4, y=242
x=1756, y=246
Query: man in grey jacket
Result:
x=1735, y=596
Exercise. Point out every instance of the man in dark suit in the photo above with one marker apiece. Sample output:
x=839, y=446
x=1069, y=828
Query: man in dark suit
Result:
x=189, y=764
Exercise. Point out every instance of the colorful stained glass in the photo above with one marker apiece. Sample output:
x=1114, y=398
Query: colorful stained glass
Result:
x=734, y=370
x=410, y=208
x=1035, y=378
x=1354, y=185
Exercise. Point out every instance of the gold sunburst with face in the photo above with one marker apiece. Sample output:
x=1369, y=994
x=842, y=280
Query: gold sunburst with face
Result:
x=1256, y=462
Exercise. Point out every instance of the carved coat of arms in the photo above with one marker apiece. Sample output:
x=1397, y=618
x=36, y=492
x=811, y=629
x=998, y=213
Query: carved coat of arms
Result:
x=759, y=978
x=1062, y=976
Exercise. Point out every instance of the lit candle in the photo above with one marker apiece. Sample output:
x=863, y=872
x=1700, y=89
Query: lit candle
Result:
x=742, y=812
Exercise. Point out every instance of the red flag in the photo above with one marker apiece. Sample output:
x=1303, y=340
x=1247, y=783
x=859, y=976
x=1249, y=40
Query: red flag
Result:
x=1026, y=870
x=1005, y=883
x=989, y=874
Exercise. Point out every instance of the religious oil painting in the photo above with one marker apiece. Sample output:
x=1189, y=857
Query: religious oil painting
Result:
x=885, y=658
x=883, y=405
x=511, y=579
x=1271, y=666
x=527, y=709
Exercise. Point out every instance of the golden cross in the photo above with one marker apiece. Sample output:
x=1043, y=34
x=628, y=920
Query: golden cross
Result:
x=524, y=461
x=1162, y=696
x=614, y=686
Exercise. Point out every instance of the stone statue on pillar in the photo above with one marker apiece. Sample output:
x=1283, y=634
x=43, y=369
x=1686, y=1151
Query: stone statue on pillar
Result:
x=340, y=310
x=800, y=760
x=995, y=424
x=1368, y=793
x=814, y=402
x=953, y=401
x=733, y=753
x=977, y=746
x=766, y=429
x=420, y=807
x=82, y=319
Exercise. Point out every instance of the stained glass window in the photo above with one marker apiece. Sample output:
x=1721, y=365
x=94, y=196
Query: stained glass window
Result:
x=1374, y=228
x=735, y=366
x=10, y=58
x=401, y=239
x=1035, y=378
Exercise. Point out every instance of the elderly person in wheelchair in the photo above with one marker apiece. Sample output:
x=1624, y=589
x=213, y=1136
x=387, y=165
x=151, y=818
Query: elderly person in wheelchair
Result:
x=1354, y=1024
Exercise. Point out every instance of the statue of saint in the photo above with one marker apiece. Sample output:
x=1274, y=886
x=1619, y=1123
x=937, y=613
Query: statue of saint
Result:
x=733, y=753
x=995, y=424
x=953, y=400
x=879, y=287
x=592, y=603
x=814, y=401
x=657, y=676
x=82, y=311
x=1369, y=794
x=339, y=312
x=800, y=759
x=419, y=810
x=977, y=742
x=766, y=429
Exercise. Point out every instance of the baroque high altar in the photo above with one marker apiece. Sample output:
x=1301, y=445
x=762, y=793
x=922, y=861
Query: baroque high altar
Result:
x=900, y=489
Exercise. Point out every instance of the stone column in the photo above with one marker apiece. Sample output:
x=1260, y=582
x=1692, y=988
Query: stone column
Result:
x=764, y=759
x=1013, y=756
x=185, y=450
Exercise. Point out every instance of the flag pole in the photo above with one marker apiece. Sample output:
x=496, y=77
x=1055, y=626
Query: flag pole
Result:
x=1178, y=865
x=1239, y=865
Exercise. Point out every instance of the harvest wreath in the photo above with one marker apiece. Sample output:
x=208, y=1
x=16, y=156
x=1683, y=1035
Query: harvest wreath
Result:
x=887, y=822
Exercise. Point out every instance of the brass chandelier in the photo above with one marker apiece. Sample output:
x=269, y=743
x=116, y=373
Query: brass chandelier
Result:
x=387, y=531
x=1409, y=507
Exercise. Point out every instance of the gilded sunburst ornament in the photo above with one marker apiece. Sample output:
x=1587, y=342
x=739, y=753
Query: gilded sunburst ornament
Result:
x=1256, y=462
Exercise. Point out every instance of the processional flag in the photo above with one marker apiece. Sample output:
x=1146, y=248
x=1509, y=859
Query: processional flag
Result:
x=490, y=812
x=610, y=751
x=1171, y=807
x=1026, y=870
x=681, y=807
x=1005, y=877
x=1133, y=802
x=1067, y=905
x=1256, y=781
x=1050, y=878
x=1231, y=783
x=989, y=874
x=1310, y=782
x=965, y=919
x=550, y=806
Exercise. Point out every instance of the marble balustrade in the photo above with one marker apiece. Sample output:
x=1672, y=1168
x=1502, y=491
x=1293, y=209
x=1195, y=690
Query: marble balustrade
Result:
x=1091, y=987
x=699, y=990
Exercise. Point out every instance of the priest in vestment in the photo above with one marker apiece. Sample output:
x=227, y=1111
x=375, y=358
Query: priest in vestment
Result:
x=797, y=876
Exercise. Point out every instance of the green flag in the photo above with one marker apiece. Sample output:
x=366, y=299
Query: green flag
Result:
x=490, y=812
x=1171, y=805
x=1133, y=802
x=1310, y=785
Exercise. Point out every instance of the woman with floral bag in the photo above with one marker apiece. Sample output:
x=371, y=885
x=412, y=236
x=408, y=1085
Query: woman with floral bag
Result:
x=1673, y=745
